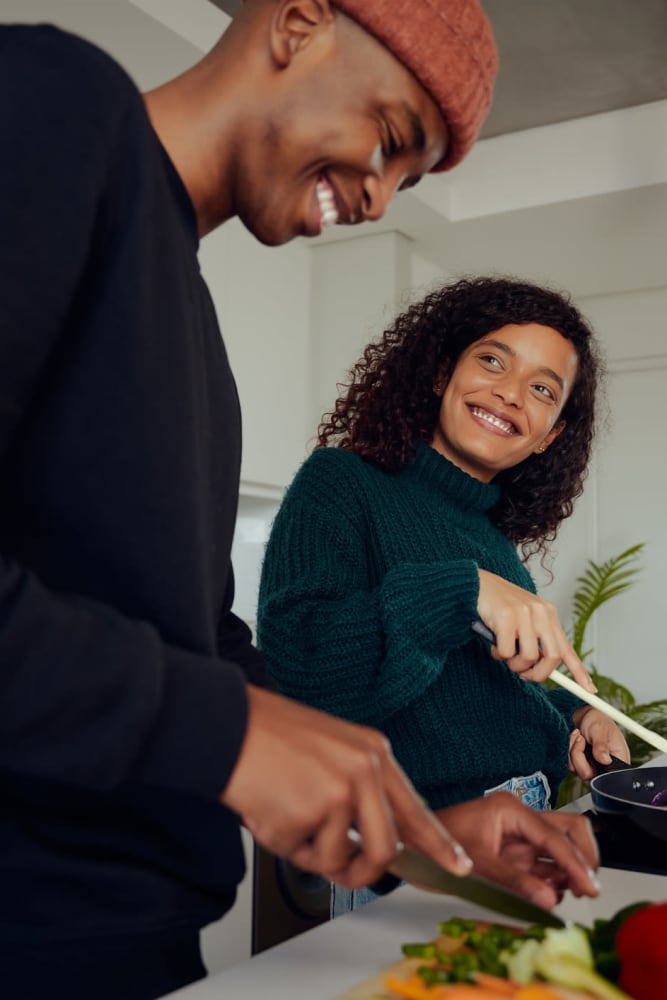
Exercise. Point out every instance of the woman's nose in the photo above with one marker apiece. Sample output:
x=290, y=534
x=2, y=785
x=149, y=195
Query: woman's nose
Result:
x=510, y=391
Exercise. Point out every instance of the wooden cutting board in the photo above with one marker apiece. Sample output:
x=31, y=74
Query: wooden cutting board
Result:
x=374, y=987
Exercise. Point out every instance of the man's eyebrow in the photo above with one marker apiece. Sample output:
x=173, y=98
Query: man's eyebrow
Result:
x=512, y=353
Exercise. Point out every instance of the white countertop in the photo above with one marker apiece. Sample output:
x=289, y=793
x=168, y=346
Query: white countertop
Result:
x=329, y=959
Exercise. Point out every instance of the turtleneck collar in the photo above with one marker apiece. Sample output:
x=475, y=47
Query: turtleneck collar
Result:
x=432, y=467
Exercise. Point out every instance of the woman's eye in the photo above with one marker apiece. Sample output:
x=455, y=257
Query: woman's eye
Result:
x=544, y=390
x=490, y=359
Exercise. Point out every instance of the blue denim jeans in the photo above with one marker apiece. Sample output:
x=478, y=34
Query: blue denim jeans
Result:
x=344, y=900
x=532, y=789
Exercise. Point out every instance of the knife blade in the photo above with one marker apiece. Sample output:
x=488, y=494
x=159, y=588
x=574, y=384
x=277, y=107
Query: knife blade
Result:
x=424, y=873
x=421, y=871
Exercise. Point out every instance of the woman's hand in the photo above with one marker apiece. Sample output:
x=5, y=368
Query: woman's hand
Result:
x=537, y=854
x=529, y=636
x=603, y=736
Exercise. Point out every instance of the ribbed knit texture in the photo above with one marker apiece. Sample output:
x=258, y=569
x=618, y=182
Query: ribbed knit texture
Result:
x=448, y=46
x=369, y=586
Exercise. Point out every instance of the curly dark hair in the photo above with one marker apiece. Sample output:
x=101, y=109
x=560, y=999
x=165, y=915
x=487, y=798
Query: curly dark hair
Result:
x=390, y=402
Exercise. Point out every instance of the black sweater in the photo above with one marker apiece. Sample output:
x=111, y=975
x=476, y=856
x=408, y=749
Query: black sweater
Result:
x=122, y=693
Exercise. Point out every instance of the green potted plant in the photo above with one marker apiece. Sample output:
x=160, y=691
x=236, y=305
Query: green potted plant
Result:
x=597, y=585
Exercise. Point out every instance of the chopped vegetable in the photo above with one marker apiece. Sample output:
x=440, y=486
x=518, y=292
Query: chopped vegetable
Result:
x=641, y=945
x=536, y=992
x=419, y=950
x=503, y=986
x=565, y=958
x=495, y=962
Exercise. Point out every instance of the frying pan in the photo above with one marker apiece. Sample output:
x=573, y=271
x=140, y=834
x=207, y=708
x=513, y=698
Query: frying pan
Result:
x=629, y=791
x=618, y=787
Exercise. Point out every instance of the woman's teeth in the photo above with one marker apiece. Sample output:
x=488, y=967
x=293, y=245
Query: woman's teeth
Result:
x=490, y=419
x=327, y=205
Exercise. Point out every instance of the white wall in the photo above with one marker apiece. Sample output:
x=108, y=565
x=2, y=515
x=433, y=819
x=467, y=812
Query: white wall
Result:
x=262, y=297
x=624, y=498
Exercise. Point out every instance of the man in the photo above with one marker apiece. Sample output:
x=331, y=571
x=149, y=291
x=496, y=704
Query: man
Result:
x=136, y=732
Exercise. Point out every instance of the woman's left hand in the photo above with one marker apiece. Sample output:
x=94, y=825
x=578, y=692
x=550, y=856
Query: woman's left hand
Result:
x=604, y=737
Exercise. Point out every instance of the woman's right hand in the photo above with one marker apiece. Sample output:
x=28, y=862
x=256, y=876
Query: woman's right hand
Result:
x=529, y=636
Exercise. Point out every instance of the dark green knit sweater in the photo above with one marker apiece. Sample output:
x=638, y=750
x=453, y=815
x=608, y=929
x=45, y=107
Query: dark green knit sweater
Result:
x=368, y=590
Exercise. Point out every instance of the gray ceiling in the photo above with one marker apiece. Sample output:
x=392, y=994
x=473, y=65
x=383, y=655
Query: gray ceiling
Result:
x=564, y=59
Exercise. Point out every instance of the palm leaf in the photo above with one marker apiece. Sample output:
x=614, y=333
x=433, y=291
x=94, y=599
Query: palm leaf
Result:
x=598, y=584
x=653, y=716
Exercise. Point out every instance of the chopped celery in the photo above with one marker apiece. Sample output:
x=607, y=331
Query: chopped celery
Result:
x=564, y=958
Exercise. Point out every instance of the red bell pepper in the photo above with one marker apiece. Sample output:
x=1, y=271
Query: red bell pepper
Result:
x=641, y=946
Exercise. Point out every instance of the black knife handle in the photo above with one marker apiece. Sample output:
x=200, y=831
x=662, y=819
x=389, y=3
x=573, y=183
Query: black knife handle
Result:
x=480, y=628
x=385, y=884
x=485, y=632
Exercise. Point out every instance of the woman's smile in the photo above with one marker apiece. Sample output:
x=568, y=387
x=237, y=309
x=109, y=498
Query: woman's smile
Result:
x=503, y=400
x=495, y=422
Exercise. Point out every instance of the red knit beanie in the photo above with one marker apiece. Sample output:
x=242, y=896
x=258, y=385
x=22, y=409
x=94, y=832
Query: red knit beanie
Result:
x=448, y=45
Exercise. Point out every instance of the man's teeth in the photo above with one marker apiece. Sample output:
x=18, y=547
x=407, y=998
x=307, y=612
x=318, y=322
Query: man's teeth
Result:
x=327, y=205
x=490, y=419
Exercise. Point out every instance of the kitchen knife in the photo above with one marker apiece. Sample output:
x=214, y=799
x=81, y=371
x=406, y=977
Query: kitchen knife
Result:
x=424, y=873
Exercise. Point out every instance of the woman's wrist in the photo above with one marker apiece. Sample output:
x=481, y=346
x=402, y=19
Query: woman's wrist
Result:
x=579, y=713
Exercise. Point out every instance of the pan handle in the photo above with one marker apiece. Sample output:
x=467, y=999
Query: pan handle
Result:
x=615, y=764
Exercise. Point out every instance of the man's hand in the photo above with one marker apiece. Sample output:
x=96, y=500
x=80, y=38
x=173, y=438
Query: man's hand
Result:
x=304, y=778
x=537, y=854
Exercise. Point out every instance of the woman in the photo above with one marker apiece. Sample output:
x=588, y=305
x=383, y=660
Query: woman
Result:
x=465, y=433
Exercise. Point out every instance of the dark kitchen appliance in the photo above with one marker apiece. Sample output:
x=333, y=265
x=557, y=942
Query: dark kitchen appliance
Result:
x=623, y=844
x=629, y=792
x=286, y=900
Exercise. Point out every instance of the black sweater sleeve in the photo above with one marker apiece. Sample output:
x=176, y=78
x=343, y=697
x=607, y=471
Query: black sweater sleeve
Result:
x=88, y=693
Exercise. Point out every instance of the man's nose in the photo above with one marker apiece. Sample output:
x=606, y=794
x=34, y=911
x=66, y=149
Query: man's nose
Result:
x=378, y=192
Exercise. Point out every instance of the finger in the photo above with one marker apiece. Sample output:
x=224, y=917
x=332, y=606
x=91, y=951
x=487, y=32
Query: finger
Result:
x=577, y=669
x=418, y=826
x=535, y=673
x=579, y=761
x=330, y=851
x=528, y=648
x=569, y=843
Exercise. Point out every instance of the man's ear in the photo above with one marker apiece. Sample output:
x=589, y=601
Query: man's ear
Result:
x=295, y=24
